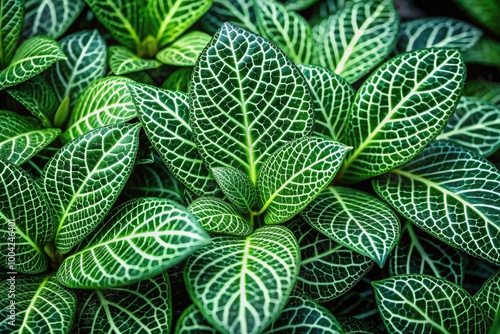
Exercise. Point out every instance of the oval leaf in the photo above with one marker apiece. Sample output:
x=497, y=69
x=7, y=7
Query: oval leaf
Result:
x=237, y=187
x=179, y=80
x=192, y=321
x=186, y=50
x=123, y=61
x=488, y=297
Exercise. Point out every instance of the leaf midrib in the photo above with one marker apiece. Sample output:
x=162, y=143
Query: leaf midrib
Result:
x=31, y=306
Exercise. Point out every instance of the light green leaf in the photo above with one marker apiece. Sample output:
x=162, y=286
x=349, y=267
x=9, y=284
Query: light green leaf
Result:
x=287, y=29
x=165, y=117
x=327, y=270
x=295, y=174
x=179, y=80
x=38, y=97
x=474, y=125
x=84, y=178
x=421, y=254
x=304, y=315
x=217, y=216
x=484, y=90
x=50, y=17
x=26, y=221
x=425, y=304
x=485, y=12
x=31, y=57
x=86, y=52
x=11, y=22
x=124, y=61
x=237, y=187
x=144, y=307
x=238, y=12
x=488, y=297
x=240, y=285
x=485, y=52
x=21, y=137
x=400, y=109
x=440, y=32
x=297, y=5
x=355, y=39
x=185, y=50
x=237, y=120
x=106, y=101
x=356, y=220
x=192, y=321
x=465, y=193
x=42, y=306
x=332, y=97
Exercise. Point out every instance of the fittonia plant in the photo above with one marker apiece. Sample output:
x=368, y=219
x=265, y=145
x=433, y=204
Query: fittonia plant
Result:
x=261, y=192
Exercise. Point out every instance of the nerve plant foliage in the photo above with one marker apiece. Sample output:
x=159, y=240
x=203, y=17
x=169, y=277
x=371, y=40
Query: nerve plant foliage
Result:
x=261, y=183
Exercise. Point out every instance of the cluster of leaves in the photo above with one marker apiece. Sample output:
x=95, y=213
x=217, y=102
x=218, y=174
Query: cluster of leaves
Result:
x=255, y=190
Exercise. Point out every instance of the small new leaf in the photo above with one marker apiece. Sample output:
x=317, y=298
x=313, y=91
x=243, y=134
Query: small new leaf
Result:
x=237, y=187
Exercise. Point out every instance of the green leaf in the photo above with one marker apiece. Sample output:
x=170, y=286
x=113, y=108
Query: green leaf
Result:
x=217, y=216
x=242, y=284
x=123, y=61
x=31, y=58
x=441, y=32
x=185, y=50
x=353, y=325
x=420, y=254
x=42, y=305
x=158, y=108
x=332, y=98
x=304, y=315
x=295, y=174
x=21, y=137
x=246, y=101
x=297, y=5
x=488, y=297
x=425, y=304
x=84, y=178
x=326, y=8
x=139, y=239
x=484, y=90
x=106, y=101
x=11, y=22
x=465, y=193
x=38, y=97
x=86, y=52
x=287, y=29
x=179, y=80
x=485, y=12
x=474, y=125
x=238, y=12
x=144, y=307
x=25, y=221
x=327, y=270
x=485, y=52
x=356, y=220
x=237, y=187
x=50, y=17
x=355, y=39
x=400, y=109
x=192, y=321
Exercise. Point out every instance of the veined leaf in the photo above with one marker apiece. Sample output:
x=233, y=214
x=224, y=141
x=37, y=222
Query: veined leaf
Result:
x=484, y=90
x=38, y=97
x=86, y=52
x=185, y=50
x=84, y=178
x=332, y=98
x=416, y=254
x=304, y=315
x=488, y=297
x=21, y=137
x=485, y=12
x=287, y=29
x=165, y=116
x=192, y=321
x=295, y=174
x=485, y=52
x=474, y=125
x=26, y=221
x=237, y=12
x=465, y=193
x=141, y=77
x=11, y=22
x=356, y=220
x=31, y=57
x=217, y=216
x=326, y=8
x=179, y=80
x=124, y=61
x=50, y=17
x=442, y=32
x=355, y=39
x=400, y=109
x=239, y=121
x=106, y=101
x=327, y=270
x=297, y=5
x=144, y=307
x=35, y=165
x=353, y=325
x=237, y=187
x=240, y=285
x=425, y=304
x=140, y=239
